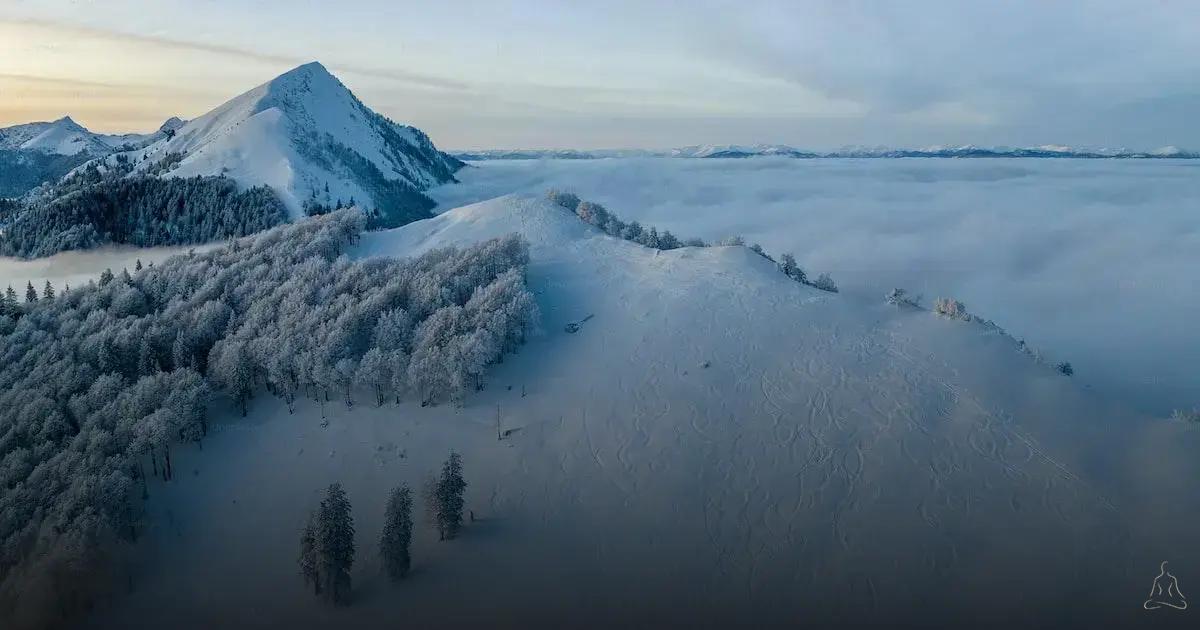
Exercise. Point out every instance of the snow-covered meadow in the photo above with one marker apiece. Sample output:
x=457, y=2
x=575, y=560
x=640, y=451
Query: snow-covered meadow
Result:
x=1090, y=261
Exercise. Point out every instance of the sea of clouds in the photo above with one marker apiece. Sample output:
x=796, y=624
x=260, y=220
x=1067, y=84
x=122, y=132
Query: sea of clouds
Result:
x=1091, y=261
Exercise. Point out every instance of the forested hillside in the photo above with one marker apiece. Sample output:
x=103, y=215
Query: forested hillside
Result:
x=21, y=171
x=94, y=207
x=99, y=384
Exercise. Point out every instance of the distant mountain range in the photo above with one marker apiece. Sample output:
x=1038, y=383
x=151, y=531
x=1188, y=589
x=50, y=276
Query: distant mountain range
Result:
x=36, y=153
x=781, y=150
x=67, y=137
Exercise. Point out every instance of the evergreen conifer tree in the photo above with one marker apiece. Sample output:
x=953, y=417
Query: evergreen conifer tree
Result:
x=309, y=560
x=30, y=293
x=9, y=305
x=397, y=533
x=335, y=544
x=450, y=490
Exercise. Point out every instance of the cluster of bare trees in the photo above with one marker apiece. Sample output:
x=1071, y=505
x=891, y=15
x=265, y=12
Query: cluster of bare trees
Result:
x=599, y=216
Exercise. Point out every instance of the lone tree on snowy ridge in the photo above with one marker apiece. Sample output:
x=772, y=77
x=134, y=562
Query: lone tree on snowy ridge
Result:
x=949, y=307
x=901, y=297
x=450, y=488
x=396, y=539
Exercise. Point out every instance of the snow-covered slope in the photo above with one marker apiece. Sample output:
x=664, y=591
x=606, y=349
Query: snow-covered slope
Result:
x=310, y=139
x=715, y=446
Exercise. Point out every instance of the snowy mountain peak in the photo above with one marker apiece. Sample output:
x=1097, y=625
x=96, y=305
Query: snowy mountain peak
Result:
x=69, y=123
x=306, y=135
x=65, y=137
x=172, y=124
x=308, y=70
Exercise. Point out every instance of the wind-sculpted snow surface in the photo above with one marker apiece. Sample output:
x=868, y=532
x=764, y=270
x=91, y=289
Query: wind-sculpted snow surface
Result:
x=99, y=386
x=715, y=445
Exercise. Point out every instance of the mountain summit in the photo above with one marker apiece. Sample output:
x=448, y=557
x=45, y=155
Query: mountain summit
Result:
x=314, y=143
x=60, y=137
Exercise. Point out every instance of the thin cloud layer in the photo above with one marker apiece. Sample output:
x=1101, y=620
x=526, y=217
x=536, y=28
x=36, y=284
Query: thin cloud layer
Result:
x=818, y=73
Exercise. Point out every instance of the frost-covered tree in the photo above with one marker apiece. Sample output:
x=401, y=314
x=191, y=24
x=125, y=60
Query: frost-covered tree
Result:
x=825, y=283
x=345, y=371
x=335, y=544
x=901, y=297
x=567, y=200
x=48, y=291
x=31, y=295
x=949, y=307
x=758, y=249
x=396, y=539
x=231, y=366
x=375, y=370
x=450, y=489
x=9, y=306
x=787, y=264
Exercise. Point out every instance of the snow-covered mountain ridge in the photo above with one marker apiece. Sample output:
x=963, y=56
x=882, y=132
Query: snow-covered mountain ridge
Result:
x=313, y=142
x=67, y=137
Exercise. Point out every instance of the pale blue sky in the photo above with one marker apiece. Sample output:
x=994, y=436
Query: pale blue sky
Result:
x=636, y=74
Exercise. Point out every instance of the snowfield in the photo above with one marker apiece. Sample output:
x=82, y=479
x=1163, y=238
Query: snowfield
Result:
x=717, y=445
x=1085, y=259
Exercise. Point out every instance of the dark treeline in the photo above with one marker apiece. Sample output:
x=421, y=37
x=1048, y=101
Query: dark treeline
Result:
x=22, y=171
x=395, y=202
x=94, y=207
x=599, y=216
x=99, y=383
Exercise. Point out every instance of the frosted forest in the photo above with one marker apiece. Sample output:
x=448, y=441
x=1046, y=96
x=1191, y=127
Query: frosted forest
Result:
x=102, y=383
